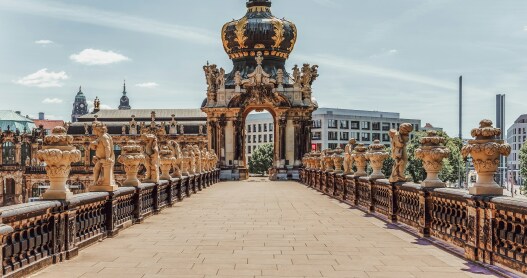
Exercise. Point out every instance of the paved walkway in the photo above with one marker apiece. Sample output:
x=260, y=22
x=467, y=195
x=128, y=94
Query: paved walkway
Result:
x=259, y=229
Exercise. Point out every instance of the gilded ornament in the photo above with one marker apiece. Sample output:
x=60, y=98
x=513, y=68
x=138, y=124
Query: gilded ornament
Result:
x=278, y=33
x=240, y=32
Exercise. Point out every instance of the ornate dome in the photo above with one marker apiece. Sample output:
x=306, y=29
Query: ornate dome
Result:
x=258, y=31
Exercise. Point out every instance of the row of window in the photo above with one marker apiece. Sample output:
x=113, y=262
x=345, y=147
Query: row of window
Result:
x=9, y=153
x=266, y=138
x=362, y=125
x=260, y=127
x=344, y=136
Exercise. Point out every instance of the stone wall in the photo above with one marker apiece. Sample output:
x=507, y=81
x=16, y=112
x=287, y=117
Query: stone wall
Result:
x=492, y=230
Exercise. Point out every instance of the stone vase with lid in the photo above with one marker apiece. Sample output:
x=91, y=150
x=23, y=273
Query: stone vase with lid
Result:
x=166, y=160
x=338, y=159
x=131, y=157
x=359, y=156
x=58, y=153
x=485, y=151
x=377, y=154
x=432, y=152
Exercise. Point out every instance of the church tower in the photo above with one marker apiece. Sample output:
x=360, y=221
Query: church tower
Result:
x=80, y=106
x=125, y=102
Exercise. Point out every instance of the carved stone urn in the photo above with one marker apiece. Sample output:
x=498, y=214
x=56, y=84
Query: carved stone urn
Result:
x=166, y=160
x=377, y=154
x=485, y=151
x=328, y=161
x=338, y=159
x=317, y=160
x=131, y=157
x=359, y=156
x=58, y=153
x=432, y=152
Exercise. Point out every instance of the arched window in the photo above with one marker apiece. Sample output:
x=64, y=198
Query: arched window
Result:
x=8, y=153
x=117, y=152
x=9, y=191
x=25, y=153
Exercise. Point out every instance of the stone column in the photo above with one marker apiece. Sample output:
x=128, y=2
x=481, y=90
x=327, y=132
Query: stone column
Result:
x=432, y=152
x=359, y=156
x=282, y=123
x=166, y=161
x=377, y=154
x=131, y=158
x=58, y=153
x=485, y=151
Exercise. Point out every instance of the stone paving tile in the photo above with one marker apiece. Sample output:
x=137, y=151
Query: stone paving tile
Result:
x=263, y=229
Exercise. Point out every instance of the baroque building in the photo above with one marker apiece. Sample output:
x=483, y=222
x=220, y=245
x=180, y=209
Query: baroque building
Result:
x=124, y=104
x=259, y=45
x=80, y=106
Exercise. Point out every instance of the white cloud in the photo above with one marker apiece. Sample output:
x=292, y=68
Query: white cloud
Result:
x=147, y=85
x=92, y=57
x=44, y=42
x=52, y=101
x=393, y=51
x=103, y=106
x=43, y=79
x=77, y=13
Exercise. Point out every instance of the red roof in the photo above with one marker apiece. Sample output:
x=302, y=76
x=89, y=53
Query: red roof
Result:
x=49, y=124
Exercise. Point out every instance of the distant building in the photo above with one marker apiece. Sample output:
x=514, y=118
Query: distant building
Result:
x=516, y=137
x=332, y=127
x=124, y=104
x=80, y=106
x=14, y=121
x=45, y=124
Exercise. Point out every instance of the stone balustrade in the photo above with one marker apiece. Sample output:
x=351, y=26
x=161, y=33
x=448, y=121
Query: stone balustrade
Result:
x=487, y=229
x=35, y=235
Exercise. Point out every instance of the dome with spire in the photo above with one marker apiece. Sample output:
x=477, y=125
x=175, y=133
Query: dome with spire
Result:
x=258, y=31
x=125, y=101
x=80, y=105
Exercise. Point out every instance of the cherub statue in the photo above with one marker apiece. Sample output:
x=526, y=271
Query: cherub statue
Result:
x=151, y=158
x=238, y=78
x=104, y=159
x=296, y=76
x=348, y=158
x=399, y=140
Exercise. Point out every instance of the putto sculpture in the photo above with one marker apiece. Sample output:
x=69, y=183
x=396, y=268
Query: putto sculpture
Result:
x=104, y=160
x=377, y=154
x=58, y=153
x=178, y=155
x=132, y=156
x=348, y=159
x=432, y=152
x=485, y=151
x=151, y=158
x=399, y=140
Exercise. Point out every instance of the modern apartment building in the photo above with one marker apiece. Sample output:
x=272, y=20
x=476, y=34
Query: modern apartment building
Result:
x=516, y=137
x=332, y=127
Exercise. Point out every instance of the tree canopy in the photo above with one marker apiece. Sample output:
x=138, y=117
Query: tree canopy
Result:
x=261, y=159
x=523, y=164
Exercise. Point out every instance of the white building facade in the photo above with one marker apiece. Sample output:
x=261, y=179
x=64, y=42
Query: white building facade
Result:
x=259, y=130
x=516, y=137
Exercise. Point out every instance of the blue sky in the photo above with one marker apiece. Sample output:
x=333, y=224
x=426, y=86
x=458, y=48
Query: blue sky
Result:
x=389, y=55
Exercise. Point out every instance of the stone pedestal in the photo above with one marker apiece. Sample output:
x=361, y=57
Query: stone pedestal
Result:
x=359, y=156
x=377, y=155
x=432, y=152
x=58, y=153
x=131, y=158
x=485, y=151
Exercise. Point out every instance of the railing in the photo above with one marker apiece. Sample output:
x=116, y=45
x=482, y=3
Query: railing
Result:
x=492, y=230
x=35, y=235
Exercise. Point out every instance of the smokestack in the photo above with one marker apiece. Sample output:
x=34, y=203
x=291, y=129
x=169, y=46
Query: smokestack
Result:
x=41, y=116
x=18, y=112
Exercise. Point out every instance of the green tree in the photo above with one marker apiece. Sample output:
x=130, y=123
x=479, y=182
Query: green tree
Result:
x=388, y=164
x=261, y=159
x=523, y=165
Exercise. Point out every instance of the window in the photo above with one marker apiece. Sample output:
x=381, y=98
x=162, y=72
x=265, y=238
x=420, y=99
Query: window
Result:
x=271, y=137
x=385, y=126
x=332, y=123
x=354, y=125
x=365, y=125
x=259, y=127
x=416, y=127
x=271, y=126
x=316, y=135
x=254, y=138
x=254, y=127
x=332, y=145
x=317, y=123
x=259, y=138
x=25, y=154
x=344, y=136
x=265, y=138
x=344, y=124
x=376, y=126
x=332, y=135
x=385, y=138
x=248, y=139
x=8, y=153
x=249, y=149
x=365, y=136
x=265, y=127
x=375, y=136
x=248, y=128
